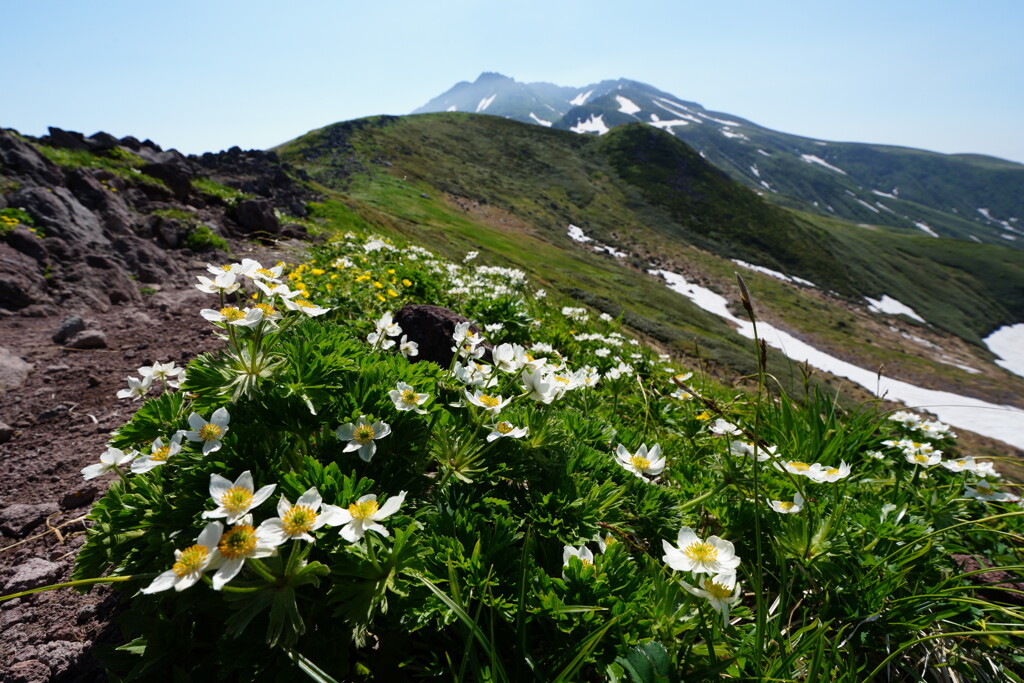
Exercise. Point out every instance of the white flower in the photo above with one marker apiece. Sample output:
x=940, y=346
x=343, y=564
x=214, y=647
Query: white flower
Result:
x=722, y=427
x=490, y=403
x=159, y=455
x=280, y=290
x=504, y=357
x=406, y=398
x=722, y=591
x=210, y=433
x=238, y=544
x=137, y=388
x=821, y=473
x=232, y=315
x=408, y=348
x=962, y=465
x=475, y=374
x=307, y=307
x=712, y=556
x=110, y=460
x=363, y=515
x=165, y=372
x=361, y=434
x=494, y=328
x=906, y=418
x=388, y=326
x=190, y=563
x=583, y=554
x=379, y=340
x=254, y=271
x=924, y=459
x=587, y=376
x=540, y=294
x=296, y=521
x=602, y=352
x=540, y=386
x=504, y=428
x=984, y=492
x=643, y=462
x=746, y=448
x=470, y=255
x=235, y=500
x=605, y=317
x=222, y=283
x=786, y=507
x=936, y=429
x=801, y=468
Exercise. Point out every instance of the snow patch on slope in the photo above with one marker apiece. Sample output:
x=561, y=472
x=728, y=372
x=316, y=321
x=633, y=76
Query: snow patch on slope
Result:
x=1008, y=343
x=924, y=226
x=546, y=124
x=774, y=273
x=811, y=159
x=890, y=306
x=595, y=124
x=485, y=102
x=581, y=98
x=626, y=105
x=1005, y=423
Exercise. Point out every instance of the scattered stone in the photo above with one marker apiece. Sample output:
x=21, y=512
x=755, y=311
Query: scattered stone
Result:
x=78, y=497
x=33, y=573
x=93, y=381
x=13, y=370
x=6, y=432
x=29, y=671
x=53, y=412
x=60, y=656
x=18, y=519
x=88, y=339
x=51, y=369
x=85, y=613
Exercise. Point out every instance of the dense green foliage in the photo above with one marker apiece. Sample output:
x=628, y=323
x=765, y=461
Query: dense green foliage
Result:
x=529, y=529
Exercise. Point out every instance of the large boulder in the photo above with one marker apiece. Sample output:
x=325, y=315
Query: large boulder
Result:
x=20, y=158
x=432, y=328
x=257, y=215
x=60, y=214
x=21, y=280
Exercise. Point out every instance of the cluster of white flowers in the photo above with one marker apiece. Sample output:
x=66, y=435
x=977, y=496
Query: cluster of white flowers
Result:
x=816, y=472
x=578, y=314
x=169, y=374
x=747, y=449
x=267, y=281
x=932, y=428
x=384, y=329
x=226, y=550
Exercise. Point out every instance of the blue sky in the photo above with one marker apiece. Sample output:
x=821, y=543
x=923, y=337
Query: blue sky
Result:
x=202, y=76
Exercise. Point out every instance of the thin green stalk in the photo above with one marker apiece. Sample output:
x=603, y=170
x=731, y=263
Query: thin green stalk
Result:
x=76, y=584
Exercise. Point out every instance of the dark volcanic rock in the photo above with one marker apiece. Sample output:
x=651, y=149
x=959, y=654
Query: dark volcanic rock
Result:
x=19, y=519
x=61, y=214
x=20, y=158
x=257, y=215
x=21, y=280
x=27, y=242
x=432, y=328
x=69, y=327
x=88, y=339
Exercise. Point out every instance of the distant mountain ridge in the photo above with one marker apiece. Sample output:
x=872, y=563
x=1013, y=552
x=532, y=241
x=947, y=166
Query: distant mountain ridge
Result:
x=963, y=196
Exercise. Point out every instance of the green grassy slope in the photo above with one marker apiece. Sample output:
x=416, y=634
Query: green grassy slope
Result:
x=643, y=191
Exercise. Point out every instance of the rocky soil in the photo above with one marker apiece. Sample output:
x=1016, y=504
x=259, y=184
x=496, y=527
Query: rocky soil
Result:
x=101, y=285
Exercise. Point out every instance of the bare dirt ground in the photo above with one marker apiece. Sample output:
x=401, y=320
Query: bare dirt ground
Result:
x=60, y=419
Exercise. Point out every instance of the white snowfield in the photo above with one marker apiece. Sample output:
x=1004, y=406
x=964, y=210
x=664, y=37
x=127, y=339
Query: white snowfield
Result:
x=811, y=159
x=891, y=306
x=626, y=105
x=546, y=124
x=580, y=99
x=1008, y=343
x=774, y=273
x=485, y=102
x=595, y=124
x=926, y=228
x=1005, y=423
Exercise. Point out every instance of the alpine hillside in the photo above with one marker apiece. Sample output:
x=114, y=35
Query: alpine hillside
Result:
x=962, y=196
x=601, y=218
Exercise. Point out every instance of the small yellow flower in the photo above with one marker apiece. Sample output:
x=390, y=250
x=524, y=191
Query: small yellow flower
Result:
x=392, y=293
x=703, y=416
x=380, y=297
x=406, y=282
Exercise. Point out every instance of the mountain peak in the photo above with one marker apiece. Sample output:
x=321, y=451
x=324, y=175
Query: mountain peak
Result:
x=492, y=76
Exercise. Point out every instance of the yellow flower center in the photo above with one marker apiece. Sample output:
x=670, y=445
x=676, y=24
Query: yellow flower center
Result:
x=304, y=304
x=701, y=551
x=299, y=520
x=832, y=471
x=231, y=313
x=226, y=267
x=209, y=432
x=717, y=590
x=266, y=273
x=639, y=462
x=236, y=500
x=238, y=541
x=160, y=454
x=786, y=505
x=489, y=401
x=409, y=396
x=984, y=489
x=920, y=458
x=363, y=509
x=798, y=466
x=267, y=309
x=190, y=560
x=363, y=434
x=504, y=427
x=563, y=380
